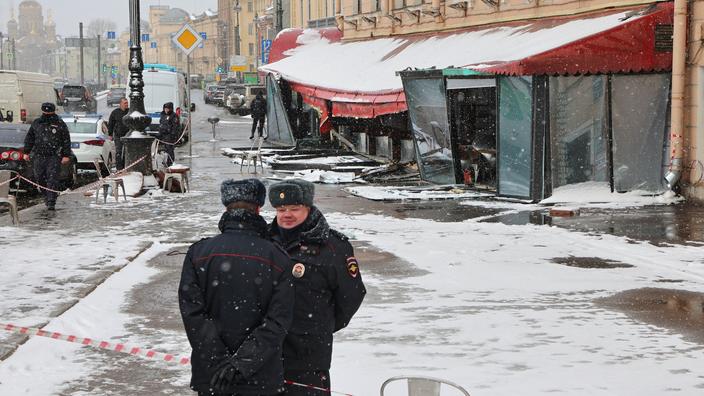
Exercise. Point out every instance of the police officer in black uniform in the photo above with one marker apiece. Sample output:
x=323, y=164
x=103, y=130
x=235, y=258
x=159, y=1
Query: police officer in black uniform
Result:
x=48, y=142
x=169, y=130
x=236, y=298
x=328, y=284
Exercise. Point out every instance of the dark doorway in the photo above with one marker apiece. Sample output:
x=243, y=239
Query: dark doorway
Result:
x=473, y=128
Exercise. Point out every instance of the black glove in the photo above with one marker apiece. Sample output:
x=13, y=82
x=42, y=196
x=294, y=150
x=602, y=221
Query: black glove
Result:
x=225, y=374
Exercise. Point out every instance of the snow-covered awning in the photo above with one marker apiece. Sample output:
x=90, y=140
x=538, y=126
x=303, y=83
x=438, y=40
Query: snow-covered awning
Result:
x=359, y=77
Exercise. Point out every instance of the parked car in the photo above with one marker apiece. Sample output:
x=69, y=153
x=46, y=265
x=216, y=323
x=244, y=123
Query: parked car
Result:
x=239, y=100
x=162, y=84
x=13, y=158
x=78, y=98
x=195, y=81
x=22, y=94
x=115, y=94
x=219, y=95
x=90, y=142
x=208, y=93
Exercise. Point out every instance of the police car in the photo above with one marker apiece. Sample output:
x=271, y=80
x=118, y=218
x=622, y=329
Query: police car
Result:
x=90, y=141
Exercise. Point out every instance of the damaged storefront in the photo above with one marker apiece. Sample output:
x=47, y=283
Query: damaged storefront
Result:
x=585, y=113
x=520, y=109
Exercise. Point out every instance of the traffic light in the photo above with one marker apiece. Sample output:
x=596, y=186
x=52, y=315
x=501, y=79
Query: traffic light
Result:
x=105, y=68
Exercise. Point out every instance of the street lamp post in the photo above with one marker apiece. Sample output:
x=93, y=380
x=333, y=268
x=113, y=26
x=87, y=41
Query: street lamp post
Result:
x=136, y=143
x=238, y=8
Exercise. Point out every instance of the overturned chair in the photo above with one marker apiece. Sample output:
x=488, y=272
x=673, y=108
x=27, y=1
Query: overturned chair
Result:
x=6, y=198
x=423, y=386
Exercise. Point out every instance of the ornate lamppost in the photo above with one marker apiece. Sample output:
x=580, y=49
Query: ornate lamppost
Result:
x=137, y=144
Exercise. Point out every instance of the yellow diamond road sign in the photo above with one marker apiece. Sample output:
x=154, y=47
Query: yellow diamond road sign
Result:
x=187, y=39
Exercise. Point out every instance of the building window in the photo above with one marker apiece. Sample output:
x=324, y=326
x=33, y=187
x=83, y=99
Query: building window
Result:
x=251, y=49
x=250, y=29
x=250, y=7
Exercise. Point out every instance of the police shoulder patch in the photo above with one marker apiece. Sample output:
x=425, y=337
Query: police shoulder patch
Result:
x=352, y=267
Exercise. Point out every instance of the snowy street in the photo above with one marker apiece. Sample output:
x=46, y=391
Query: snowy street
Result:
x=486, y=294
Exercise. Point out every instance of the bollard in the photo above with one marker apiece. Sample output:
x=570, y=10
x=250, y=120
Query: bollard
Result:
x=213, y=121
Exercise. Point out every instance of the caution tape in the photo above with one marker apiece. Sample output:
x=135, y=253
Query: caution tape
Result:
x=188, y=122
x=115, y=347
x=9, y=181
x=315, y=387
x=129, y=350
x=87, y=186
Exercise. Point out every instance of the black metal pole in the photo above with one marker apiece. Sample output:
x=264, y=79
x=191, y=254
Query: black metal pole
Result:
x=100, y=69
x=80, y=39
x=137, y=144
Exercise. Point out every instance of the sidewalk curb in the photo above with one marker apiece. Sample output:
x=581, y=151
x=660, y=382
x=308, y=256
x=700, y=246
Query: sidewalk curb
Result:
x=82, y=294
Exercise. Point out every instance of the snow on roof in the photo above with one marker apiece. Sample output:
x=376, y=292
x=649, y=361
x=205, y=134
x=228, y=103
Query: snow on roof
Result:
x=371, y=65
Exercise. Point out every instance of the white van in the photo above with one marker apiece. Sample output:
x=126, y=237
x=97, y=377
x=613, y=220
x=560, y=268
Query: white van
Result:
x=164, y=84
x=23, y=93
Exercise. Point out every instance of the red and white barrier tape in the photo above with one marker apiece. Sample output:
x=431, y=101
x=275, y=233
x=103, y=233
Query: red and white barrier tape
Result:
x=9, y=181
x=129, y=350
x=115, y=347
x=87, y=186
x=179, y=138
x=315, y=387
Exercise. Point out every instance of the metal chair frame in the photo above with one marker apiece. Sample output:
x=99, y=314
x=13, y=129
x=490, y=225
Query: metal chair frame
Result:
x=418, y=384
x=7, y=198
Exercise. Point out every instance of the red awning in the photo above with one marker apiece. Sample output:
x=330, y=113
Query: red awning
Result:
x=626, y=48
x=359, y=77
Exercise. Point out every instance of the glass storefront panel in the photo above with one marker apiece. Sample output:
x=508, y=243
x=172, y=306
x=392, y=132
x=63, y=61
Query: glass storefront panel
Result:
x=639, y=109
x=515, y=136
x=277, y=125
x=427, y=108
x=578, y=130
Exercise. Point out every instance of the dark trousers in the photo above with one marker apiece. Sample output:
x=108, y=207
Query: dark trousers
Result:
x=47, y=170
x=257, y=120
x=169, y=149
x=320, y=379
x=119, y=157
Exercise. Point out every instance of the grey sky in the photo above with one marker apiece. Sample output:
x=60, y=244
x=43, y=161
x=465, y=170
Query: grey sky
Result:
x=67, y=13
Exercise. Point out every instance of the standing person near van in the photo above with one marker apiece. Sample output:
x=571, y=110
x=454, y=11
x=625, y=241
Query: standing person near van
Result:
x=258, y=107
x=48, y=141
x=117, y=129
x=169, y=128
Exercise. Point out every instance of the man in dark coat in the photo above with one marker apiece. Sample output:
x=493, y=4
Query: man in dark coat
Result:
x=48, y=141
x=328, y=284
x=117, y=129
x=258, y=107
x=236, y=298
x=169, y=131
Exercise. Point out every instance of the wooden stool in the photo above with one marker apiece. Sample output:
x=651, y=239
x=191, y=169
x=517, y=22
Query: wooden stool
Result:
x=115, y=184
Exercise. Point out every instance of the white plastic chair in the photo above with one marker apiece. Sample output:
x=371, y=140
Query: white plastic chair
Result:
x=252, y=155
x=6, y=198
x=423, y=386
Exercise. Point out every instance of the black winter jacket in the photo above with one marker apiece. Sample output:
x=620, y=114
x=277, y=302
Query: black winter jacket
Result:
x=169, y=127
x=328, y=293
x=258, y=107
x=48, y=136
x=116, y=128
x=236, y=298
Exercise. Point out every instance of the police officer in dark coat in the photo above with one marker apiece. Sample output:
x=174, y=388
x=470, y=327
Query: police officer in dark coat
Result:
x=258, y=107
x=169, y=131
x=48, y=141
x=117, y=129
x=328, y=284
x=236, y=298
